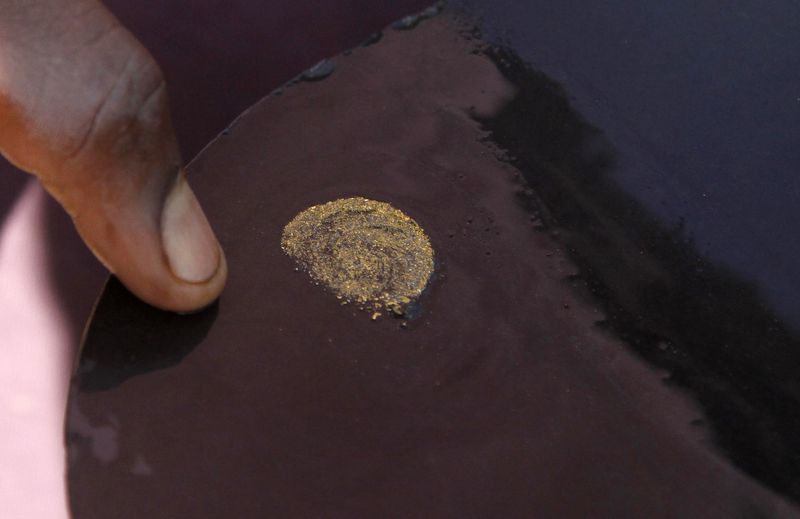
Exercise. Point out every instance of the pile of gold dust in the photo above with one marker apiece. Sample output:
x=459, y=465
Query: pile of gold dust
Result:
x=367, y=252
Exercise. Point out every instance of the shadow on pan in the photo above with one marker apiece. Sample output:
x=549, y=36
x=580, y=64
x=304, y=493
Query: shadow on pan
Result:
x=144, y=338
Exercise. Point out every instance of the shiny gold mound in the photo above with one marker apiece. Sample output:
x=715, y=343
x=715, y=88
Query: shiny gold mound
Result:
x=367, y=252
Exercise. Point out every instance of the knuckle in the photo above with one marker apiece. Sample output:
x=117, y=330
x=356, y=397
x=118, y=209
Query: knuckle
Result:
x=130, y=111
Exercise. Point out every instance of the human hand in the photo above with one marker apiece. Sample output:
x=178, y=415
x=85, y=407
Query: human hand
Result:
x=83, y=106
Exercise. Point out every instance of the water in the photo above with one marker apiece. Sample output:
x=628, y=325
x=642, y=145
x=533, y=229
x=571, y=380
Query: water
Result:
x=319, y=71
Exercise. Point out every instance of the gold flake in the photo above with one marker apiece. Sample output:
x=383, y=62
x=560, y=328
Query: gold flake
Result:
x=366, y=252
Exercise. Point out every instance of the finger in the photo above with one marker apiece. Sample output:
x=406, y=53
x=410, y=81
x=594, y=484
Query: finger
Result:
x=85, y=108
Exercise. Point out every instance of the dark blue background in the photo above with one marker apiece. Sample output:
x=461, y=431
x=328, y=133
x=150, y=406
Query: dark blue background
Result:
x=701, y=101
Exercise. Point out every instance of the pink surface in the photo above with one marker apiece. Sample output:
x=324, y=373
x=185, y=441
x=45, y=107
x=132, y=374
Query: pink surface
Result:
x=34, y=369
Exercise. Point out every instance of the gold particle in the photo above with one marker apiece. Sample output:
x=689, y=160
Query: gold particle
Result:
x=367, y=252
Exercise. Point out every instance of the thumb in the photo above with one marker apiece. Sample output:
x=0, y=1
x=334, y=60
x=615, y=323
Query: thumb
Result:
x=84, y=107
x=160, y=246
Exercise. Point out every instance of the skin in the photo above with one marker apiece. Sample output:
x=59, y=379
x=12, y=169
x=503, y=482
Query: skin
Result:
x=84, y=107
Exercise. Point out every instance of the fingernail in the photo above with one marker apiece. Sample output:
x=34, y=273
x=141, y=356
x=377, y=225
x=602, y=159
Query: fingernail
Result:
x=189, y=243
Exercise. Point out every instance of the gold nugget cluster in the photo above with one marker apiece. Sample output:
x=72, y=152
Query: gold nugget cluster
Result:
x=367, y=252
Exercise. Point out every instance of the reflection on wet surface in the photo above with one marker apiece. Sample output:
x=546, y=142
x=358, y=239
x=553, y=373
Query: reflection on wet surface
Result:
x=677, y=208
x=515, y=392
x=708, y=328
x=700, y=101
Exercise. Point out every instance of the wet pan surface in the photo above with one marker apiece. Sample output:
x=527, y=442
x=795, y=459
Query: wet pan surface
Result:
x=500, y=396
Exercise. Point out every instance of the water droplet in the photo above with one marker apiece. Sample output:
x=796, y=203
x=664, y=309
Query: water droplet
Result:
x=319, y=71
x=432, y=11
x=372, y=39
x=406, y=23
x=412, y=20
